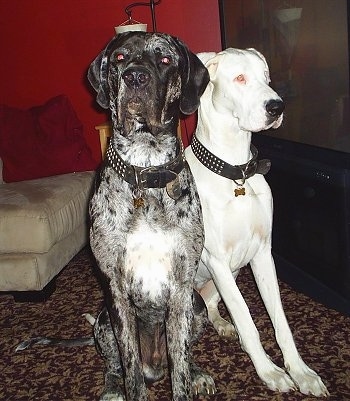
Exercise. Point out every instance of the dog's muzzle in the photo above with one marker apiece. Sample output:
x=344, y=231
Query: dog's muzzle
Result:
x=136, y=77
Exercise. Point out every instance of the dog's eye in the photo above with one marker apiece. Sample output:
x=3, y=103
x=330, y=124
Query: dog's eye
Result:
x=240, y=79
x=120, y=57
x=165, y=60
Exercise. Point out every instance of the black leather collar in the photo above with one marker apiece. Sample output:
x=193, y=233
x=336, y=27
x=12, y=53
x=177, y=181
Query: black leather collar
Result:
x=220, y=167
x=145, y=177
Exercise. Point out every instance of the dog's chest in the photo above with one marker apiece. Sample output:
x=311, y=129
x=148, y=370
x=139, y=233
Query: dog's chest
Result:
x=148, y=262
x=236, y=226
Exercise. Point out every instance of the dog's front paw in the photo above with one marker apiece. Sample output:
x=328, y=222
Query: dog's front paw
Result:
x=309, y=382
x=202, y=383
x=277, y=379
x=112, y=391
x=112, y=397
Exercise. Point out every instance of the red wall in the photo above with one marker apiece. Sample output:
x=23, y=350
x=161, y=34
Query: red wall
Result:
x=47, y=46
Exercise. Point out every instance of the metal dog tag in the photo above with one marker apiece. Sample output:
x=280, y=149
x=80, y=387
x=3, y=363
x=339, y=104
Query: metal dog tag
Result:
x=240, y=191
x=173, y=189
x=138, y=202
x=137, y=197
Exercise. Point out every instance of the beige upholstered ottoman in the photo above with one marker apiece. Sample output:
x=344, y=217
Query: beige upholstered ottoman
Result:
x=43, y=224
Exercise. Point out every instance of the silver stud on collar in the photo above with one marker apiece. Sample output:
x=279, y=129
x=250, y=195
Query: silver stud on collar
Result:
x=206, y=158
x=116, y=162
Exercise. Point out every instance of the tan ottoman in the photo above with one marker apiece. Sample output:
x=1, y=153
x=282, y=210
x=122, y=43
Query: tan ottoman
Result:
x=43, y=224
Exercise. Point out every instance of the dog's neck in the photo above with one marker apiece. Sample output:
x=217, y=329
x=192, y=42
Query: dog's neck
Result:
x=144, y=149
x=221, y=134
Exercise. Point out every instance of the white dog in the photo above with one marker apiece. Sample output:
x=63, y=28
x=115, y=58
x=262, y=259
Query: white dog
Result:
x=237, y=208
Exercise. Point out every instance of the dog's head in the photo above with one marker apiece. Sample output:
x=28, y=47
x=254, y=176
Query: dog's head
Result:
x=239, y=85
x=146, y=79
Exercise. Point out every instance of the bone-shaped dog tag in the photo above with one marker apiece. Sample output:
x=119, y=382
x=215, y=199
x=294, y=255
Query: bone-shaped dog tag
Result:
x=138, y=202
x=240, y=191
x=173, y=189
x=138, y=199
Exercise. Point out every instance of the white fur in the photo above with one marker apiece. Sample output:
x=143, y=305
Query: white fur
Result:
x=238, y=229
x=149, y=259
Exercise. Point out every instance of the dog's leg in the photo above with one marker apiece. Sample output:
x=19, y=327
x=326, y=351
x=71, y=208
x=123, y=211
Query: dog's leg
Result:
x=212, y=299
x=112, y=391
x=306, y=379
x=125, y=329
x=178, y=331
x=202, y=383
x=274, y=377
x=107, y=346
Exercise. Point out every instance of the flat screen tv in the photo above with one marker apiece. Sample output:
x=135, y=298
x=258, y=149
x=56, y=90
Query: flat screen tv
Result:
x=306, y=43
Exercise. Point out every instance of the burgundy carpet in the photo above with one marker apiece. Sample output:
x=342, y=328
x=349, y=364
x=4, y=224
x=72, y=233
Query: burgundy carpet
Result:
x=43, y=373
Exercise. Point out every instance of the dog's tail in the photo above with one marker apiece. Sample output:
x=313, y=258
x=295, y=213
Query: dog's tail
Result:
x=73, y=342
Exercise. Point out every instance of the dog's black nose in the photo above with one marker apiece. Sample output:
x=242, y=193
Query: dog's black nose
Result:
x=275, y=107
x=136, y=77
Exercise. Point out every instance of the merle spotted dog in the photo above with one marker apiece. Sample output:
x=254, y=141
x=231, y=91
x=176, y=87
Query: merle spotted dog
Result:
x=146, y=224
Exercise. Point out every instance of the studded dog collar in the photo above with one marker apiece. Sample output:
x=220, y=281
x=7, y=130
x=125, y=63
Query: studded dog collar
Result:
x=239, y=172
x=141, y=178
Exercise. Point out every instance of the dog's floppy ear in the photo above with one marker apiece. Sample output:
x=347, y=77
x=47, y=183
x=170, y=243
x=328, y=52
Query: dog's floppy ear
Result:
x=98, y=74
x=251, y=49
x=256, y=52
x=194, y=82
x=210, y=60
x=204, y=57
x=97, y=78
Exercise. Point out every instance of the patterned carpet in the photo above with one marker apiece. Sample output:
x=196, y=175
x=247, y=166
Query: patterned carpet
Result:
x=42, y=373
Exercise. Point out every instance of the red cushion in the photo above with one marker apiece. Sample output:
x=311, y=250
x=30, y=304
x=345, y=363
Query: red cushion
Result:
x=42, y=141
